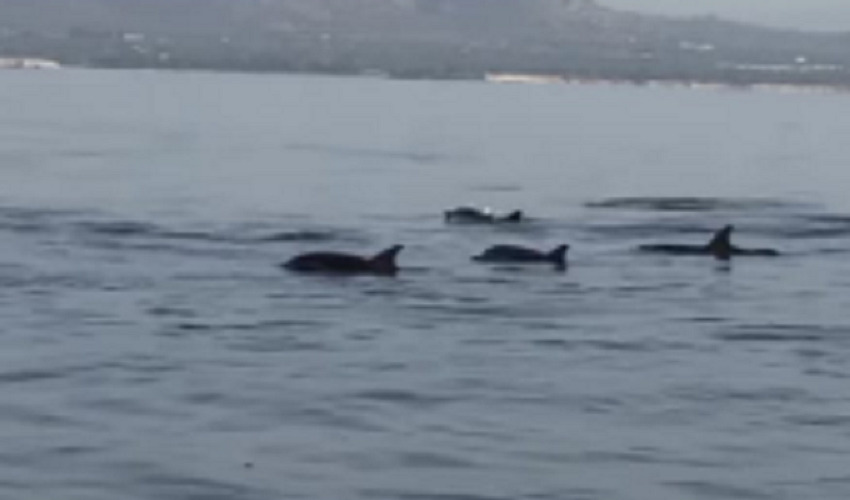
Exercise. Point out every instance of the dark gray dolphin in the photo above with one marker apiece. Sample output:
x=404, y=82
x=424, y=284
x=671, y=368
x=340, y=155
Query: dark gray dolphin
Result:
x=522, y=255
x=383, y=263
x=472, y=215
x=720, y=247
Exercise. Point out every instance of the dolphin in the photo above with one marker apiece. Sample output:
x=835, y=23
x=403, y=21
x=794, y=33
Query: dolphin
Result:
x=472, y=215
x=720, y=247
x=523, y=255
x=382, y=264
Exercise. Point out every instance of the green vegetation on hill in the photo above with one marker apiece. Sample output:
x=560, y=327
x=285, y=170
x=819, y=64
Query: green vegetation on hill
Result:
x=417, y=38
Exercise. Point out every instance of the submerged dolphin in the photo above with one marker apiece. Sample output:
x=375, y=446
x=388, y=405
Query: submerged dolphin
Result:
x=472, y=215
x=383, y=263
x=720, y=247
x=522, y=255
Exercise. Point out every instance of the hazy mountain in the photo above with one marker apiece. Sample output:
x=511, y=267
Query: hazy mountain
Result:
x=822, y=15
x=417, y=37
x=430, y=18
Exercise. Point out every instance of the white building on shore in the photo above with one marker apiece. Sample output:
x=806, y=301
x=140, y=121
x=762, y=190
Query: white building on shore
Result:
x=27, y=63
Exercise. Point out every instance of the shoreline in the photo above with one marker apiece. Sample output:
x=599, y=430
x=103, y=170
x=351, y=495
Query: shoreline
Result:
x=501, y=78
x=789, y=88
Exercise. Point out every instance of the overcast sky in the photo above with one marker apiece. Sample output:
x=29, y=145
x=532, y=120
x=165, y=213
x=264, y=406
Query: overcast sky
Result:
x=809, y=14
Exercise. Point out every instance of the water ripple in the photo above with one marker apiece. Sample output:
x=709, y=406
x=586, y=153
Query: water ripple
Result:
x=695, y=204
x=780, y=333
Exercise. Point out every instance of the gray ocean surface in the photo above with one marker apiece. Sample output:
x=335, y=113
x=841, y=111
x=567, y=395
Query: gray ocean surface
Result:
x=153, y=349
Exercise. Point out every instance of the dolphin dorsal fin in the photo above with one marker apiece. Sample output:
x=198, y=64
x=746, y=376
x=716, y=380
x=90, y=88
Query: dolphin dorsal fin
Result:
x=559, y=255
x=515, y=216
x=721, y=244
x=384, y=261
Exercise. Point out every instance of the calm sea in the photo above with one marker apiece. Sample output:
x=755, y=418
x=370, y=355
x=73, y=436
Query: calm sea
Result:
x=153, y=349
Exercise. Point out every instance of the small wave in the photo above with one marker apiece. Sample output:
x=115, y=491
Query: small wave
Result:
x=231, y=235
x=571, y=493
x=482, y=311
x=99, y=228
x=704, y=489
x=238, y=237
x=303, y=236
x=830, y=218
x=553, y=343
x=816, y=226
x=118, y=228
x=253, y=343
x=30, y=213
x=639, y=346
x=153, y=231
x=76, y=450
x=783, y=333
x=279, y=344
x=716, y=394
x=768, y=337
x=78, y=281
x=701, y=231
x=840, y=421
x=31, y=220
x=334, y=417
x=431, y=460
x=620, y=345
x=497, y=188
x=836, y=480
x=402, y=495
x=23, y=226
x=169, y=485
x=23, y=376
x=691, y=204
x=15, y=412
x=706, y=319
x=169, y=311
x=411, y=156
x=402, y=397
x=627, y=457
x=26, y=220
x=195, y=327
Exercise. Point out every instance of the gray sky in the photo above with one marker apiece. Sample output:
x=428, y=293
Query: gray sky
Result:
x=809, y=14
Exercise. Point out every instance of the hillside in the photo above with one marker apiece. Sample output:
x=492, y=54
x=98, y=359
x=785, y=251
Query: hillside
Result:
x=422, y=38
x=427, y=19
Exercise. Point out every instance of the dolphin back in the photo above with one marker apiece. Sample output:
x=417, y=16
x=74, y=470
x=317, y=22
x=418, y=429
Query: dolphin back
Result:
x=720, y=247
x=344, y=263
x=756, y=252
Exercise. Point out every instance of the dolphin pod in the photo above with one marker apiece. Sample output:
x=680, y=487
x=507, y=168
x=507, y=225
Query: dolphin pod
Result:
x=384, y=263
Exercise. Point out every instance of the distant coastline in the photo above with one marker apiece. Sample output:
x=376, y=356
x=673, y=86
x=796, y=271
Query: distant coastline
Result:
x=524, y=41
x=7, y=63
x=533, y=79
